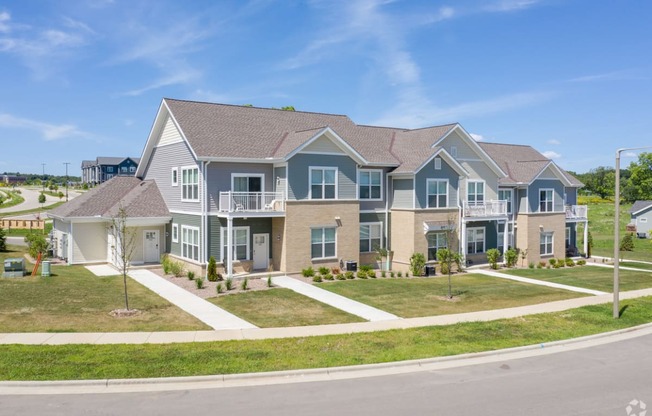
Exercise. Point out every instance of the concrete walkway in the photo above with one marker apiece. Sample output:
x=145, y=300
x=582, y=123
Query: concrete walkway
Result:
x=539, y=282
x=611, y=266
x=213, y=316
x=340, y=302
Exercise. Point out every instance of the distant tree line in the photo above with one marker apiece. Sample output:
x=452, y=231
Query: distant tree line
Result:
x=33, y=178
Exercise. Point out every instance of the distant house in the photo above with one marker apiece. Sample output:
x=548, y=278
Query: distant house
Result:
x=104, y=168
x=13, y=179
x=641, y=213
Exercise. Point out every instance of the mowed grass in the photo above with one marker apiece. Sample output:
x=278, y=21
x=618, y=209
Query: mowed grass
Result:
x=66, y=362
x=75, y=300
x=590, y=277
x=410, y=298
x=281, y=308
x=636, y=265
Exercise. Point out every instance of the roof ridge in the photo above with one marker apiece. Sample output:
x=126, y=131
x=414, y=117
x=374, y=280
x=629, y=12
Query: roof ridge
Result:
x=280, y=142
x=432, y=127
x=507, y=144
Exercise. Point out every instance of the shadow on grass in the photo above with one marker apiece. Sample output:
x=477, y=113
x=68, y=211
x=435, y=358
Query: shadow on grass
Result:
x=622, y=311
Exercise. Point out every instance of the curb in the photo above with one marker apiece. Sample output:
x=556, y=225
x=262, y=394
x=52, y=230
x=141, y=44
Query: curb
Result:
x=317, y=374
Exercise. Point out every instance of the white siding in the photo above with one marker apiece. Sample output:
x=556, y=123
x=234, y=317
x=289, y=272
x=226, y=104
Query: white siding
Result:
x=170, y=134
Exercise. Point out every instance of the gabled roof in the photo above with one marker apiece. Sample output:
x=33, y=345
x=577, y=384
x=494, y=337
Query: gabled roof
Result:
x=88, y=163
x=110, y=160
x=140, y=199
x=640, y=206
x=413, y=147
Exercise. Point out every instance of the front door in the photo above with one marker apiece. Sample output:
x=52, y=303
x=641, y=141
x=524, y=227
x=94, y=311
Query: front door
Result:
x=152, y=252
x=261, y=251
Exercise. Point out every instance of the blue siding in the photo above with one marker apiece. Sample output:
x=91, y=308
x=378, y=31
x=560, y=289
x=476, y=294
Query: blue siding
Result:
x=571, y=196
x=536, y=186
x=429, y=172
x=299, y=169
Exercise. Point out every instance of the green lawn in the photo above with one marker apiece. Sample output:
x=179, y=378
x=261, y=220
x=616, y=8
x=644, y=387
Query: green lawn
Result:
x=75, y=300
x=12, y=198
x=410, y=298
x=281, y=307
x=32, y=211
x=61, y=362
x=637, y=265
x=597, y=278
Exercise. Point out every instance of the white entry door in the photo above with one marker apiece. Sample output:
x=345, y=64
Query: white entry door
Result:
x=261, y=251
x=152, y=252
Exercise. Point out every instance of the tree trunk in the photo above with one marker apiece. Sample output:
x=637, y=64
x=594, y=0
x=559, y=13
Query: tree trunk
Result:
x=124, y=279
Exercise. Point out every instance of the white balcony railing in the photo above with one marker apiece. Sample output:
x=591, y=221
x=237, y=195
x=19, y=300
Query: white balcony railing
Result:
x=485, y=209
x=252, y=202
x=576, y=212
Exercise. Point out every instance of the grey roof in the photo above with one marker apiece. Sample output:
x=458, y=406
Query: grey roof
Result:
x=88, y=163
x=140, y=199
x=639, y=206
x=111, y=160
x=414, y=147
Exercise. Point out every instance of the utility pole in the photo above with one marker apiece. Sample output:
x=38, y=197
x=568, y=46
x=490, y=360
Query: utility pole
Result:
x=66, y=163
x=43, y=178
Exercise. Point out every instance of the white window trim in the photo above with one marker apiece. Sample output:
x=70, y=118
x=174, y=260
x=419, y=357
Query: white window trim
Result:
x=437, y=247
x=484, y=190
x=511, y=198
x=642, y=219
x=132, y=169
x=552, y=191
x=223, y=241
x=184, y=168
x=484, y=239
x=437, y=163
x=172, y=176
x=109, y=169
x=428, y=195
x=190, y=228
x=454, y=151
x=552, y=243
x=567, y=236
x=323, y=242
x=371, y=249
x=175, y=233
x=248, y=175
x=312, y=168
x=379, y=171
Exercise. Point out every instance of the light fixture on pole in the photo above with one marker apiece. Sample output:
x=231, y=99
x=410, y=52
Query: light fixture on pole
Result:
x=43, y=177
x=66, y=163
x=616, y=305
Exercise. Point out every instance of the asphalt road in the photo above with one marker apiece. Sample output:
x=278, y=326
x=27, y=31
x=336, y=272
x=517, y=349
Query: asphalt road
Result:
x=601, y=380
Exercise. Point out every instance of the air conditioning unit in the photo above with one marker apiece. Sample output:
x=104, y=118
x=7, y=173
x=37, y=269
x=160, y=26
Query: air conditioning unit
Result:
x=14, y=268
x=641, y=235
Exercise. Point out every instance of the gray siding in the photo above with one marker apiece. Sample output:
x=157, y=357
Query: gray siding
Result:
x=219, y=178
x=536, y=186
x=571, y=196
x=189, y=220
x=521, y=200
x=299, y=174
x=160, y=170
x=429, y=172
x=379, y=217
x=403, y=194
x=256, y=226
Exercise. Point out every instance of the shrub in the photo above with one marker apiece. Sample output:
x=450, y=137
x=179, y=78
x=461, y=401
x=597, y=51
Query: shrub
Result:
x=383, y=274
x=399, y=274
x=200, y=283
x=3, y=244
x=317, y=278
x=492, y=256
x=309, y=272
x=417, y=264
x=561, y=262
x=511, y=257
x=457, y=257
x=552, y=262
x=219, y=288
x=349, y=275
x=444, y=267
x=570, y=262
x=531, y=265
x=323, y=270
x=407, y=274
x=166, y=262
x=581, y=262
x=328, y=276
x=548, y=266
x=539, y=265
x=245, y=284
x=176, y=268
x=335, y=270
x=211, y=271
x=191, y=275
x=365, y=268
x=269, y=281
x=372, y=274
x=558, y=265
x=228, y=283
x=362, y=274
x=340, y=276
x=627, y=243
x=36, y=244
x=392, y=275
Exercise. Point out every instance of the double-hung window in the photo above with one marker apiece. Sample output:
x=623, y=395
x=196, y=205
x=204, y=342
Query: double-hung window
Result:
x=546, y=243
x=568, y=237
x=475, y=240
x=370, y=186
x=322, y=242
x=190, y=242
x=436, y=241
x=370, y=237
x=109, y=168
x=124, y=169
x=475, y=193
x=190, y=184
x=175, y=233
x=506, y=195
x=546, y=200
x=240, y=242
x=323, y=183
x=437, y=193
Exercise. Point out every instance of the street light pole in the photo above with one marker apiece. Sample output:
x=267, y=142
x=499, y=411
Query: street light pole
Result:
x=66, y=163
x=43, y=178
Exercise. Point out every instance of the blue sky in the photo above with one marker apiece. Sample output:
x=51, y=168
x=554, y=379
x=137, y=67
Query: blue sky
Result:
x=81, y=79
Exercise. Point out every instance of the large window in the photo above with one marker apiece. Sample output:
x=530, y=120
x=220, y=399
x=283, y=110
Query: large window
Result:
x=506, y=195
x=240, y=243
x=322, y=241
x=437, y=193
x=370, y=184
x=546, y=200
x=475, y=193
x=323, y=183
x=475, y=240
x=190, y=184
x=546, y=243
x=436, y=241
x=370, y=236
x=124, y=169
x=190, y=242
x=247, y=183
x=109, y=168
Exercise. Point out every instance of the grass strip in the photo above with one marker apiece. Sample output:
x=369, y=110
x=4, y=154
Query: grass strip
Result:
x=15, y=199
x=65, y=362
x=31, y=211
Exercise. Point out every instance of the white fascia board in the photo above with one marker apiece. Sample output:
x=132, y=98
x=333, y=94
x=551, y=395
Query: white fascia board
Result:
x=560, y=175
x=275, y=161
x=337, y=140
x=449, y=159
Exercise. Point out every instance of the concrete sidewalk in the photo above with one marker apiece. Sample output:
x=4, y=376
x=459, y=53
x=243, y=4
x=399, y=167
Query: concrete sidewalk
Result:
x=539, y=282
x=611, y=266
x=340, y=302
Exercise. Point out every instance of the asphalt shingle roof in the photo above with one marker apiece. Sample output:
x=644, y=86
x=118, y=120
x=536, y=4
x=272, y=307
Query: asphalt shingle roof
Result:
x=639, y=205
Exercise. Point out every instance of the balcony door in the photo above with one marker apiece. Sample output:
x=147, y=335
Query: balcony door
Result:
x=248, y=189
x=246, y=183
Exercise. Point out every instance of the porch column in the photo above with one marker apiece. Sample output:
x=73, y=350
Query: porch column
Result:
x=463, y=241
x=586, y=237
x=229, y=247
x=505, y=239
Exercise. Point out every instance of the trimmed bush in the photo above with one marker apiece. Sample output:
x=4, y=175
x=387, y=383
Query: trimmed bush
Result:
x=328, y=276
x=552, y=262
x=627, y=243
x=349, y=275
x=317, y=278
x=191, y=275
x=308, y=272
x=569, y=262
x=581, y=262
x=324, y=270
x=539, y=265
x=365, y=268
x=383, y=274
x=371, y=274
x=392, y=274
x=531, y=265
x=362, y=274
x=417, y=264
x=340, y=276
x=492, y=256
x=200, y=283
x=399, y=274
x=511, y=257
x=211, y=271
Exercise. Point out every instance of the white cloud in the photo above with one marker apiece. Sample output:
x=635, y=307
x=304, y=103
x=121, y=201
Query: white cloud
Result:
x=630, y=154
x=49, y=132
x=178, y=77
x=554, y=142
x=477, y=137
x=627, y=74
x=510, y=5
x=551, y=154
x=5, y=17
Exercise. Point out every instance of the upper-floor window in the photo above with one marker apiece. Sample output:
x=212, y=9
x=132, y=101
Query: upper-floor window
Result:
x=506, y=195
x=475, y=192
x=190, y=184
x=437, y=163
x=454, y=151
x=132, y=169
x=437, y=193
x=124, y=169
x=174, y=178
x=109, y=168
x=546, y=197
x=323, y=183
x=247, y=183
x=370, y=237
x=370, y=184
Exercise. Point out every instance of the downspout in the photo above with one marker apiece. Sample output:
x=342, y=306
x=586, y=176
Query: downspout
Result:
x=387, y=242
x=460, y=218
x=205, y=212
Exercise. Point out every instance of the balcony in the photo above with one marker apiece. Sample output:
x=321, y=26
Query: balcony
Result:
x=577, y=212
x=485, y=209
x=252, y=202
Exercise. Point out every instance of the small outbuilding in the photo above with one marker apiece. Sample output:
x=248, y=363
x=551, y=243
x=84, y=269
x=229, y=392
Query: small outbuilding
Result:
x=641, y=213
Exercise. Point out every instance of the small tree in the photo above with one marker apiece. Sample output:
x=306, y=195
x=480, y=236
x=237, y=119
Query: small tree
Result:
x=511, y=257
x=589, y=244
x=211, y=271
x=41, y=198
x=492, y=256
x=124, y=240
x=523, y=257
x=417, y=263
x=36, y=244
x=3, y=239
x=627, y=243
x=448, y=256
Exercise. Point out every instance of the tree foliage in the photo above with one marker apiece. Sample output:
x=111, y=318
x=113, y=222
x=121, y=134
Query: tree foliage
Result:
x=600, y=181
x=3, y=239
x=36, y=243
x=638, y=186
